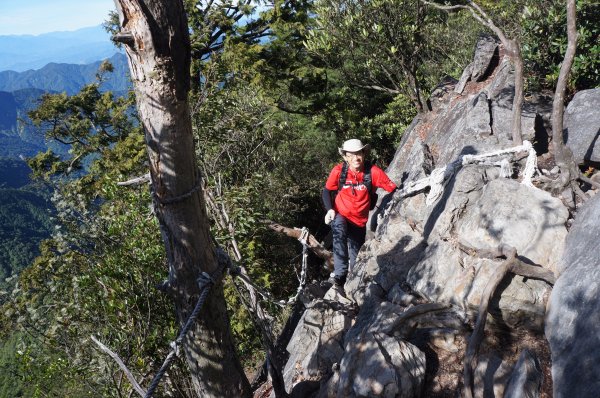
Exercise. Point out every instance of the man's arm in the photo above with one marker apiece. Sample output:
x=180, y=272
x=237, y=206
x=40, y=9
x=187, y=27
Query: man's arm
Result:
x=381, y=180
x=327, y=199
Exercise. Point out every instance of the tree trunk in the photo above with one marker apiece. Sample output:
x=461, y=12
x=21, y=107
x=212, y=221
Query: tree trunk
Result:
x=517, y=109
x=563, y=157
x=159, y=61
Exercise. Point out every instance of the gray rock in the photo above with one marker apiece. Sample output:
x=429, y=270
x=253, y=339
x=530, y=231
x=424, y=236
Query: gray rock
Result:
x=573, y=316
x=486, y=55
x=529, y=219
x=377, y=365
x=438, y=94
x=582, y=126
x=317, y=342
x=526, y=379
x=501, y=108
x=400, y=297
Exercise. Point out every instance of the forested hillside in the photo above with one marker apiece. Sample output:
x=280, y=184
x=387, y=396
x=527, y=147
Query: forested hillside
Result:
x=25, y=212
x=270, y=101
x=25, y=207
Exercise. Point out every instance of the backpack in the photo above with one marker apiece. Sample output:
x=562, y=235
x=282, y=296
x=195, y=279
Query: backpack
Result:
x=367, y=181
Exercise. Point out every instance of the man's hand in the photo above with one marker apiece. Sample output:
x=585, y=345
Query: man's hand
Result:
x=329, y=216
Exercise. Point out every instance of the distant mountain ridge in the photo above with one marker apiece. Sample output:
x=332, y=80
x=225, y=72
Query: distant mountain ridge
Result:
x=82, y=46
x=59, y=77
x=20, y=91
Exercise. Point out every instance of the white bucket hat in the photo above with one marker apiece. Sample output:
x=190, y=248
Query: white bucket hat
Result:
x=353, y=145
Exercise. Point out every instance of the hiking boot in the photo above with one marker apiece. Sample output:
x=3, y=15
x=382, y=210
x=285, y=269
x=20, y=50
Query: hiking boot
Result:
x=339, y=281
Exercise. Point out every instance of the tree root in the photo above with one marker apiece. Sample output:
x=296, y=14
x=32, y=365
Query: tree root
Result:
x=511, y=265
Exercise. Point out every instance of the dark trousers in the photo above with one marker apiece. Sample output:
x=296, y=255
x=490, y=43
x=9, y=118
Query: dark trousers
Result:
x=347, y=240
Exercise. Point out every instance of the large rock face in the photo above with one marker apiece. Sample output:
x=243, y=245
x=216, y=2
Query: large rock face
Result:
x=582, y=126
x=418, y=282
x=573, y=317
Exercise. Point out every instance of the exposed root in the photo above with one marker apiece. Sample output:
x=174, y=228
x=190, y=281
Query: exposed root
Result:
x=511, y=265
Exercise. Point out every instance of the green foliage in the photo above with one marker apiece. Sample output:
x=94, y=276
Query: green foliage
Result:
x=545, y=41
x=11, y=384
x=97, y=276
x=384, y=130
x=88, y=123
x=389, y=46
x=25, y=219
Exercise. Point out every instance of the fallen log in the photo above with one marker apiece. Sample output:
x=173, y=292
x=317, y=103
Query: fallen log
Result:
x=313, y=244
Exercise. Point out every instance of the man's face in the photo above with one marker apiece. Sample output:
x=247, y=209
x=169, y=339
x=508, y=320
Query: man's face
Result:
x=355, y=160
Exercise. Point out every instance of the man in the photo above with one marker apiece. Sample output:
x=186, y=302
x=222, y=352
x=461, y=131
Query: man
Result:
x=349, y=211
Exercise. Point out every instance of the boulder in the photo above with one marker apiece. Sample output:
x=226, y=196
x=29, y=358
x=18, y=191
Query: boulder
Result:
x=574, y=310
x=317, y=342
x=582, y=126
x=377, y=361
x=529, y=219
x=485, y=59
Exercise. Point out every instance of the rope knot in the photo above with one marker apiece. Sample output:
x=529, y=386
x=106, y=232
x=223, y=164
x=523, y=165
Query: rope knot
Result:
x=205, y=279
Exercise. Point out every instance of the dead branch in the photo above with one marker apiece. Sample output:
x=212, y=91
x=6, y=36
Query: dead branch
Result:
x=313, y=244
x=392, y=325
x=145, y=179
x=511, y=265
x=122, y=365
x=562, y=154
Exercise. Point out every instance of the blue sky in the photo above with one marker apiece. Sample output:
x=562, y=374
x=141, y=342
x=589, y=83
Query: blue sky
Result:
x=20, y=17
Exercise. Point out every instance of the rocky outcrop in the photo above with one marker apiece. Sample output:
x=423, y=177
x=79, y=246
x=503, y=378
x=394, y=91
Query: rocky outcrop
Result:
x=582, y=126
x=413, y=296
x=574, y=310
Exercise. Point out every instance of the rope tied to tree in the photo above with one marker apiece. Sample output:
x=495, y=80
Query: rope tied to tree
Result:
x=205, y=282
x=179, y=198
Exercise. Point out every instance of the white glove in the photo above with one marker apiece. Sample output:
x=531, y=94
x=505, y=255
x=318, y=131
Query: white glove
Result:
x=329, y=216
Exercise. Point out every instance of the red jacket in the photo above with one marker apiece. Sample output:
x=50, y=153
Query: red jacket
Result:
x=352, y=201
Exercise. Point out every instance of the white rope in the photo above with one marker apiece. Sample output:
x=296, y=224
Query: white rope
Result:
x=439, y=177
x=304, y=234
x=530, y=166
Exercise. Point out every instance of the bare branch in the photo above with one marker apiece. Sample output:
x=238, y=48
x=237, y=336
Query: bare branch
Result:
x=477, y=335
x=561, y=87
x=313, y=243
x=123, y=367
x=136, y=181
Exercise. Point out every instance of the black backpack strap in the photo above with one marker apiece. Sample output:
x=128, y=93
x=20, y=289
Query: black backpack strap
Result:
x=367, y=181
x=343, y=176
